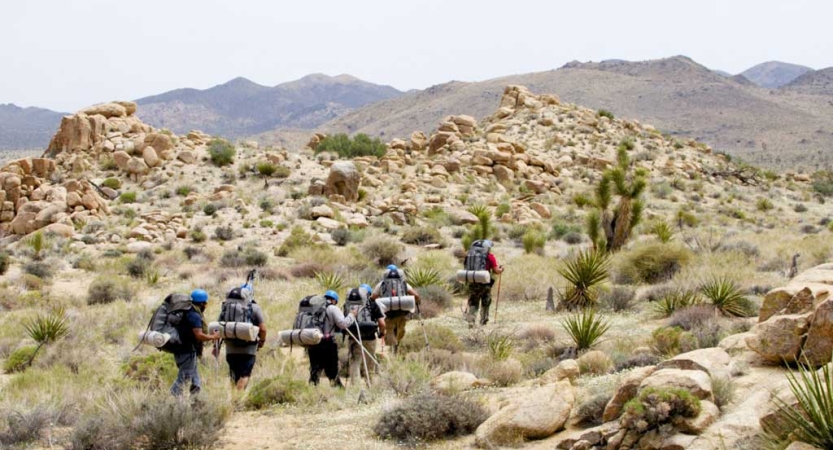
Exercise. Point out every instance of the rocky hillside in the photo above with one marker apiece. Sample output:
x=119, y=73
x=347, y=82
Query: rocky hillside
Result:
x=241, y=107
x=774, y=74
x=677, y=95
x=819, y=82
x=26, y=128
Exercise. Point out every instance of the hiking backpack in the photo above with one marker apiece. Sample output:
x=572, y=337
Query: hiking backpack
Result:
x=393, y=285
x=312, y=313
x=167, y=317
x=364, y=324
x=238, y=308
x=475, y=270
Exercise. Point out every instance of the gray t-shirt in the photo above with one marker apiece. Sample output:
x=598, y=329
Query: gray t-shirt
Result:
x=336, y=320
x=250, y=348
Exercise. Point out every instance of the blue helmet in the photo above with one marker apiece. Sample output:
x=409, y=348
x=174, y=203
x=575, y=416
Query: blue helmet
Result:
x=199, y=296
x=367, y=288
x=393, y=267
x=487, y=244
x=331, y=294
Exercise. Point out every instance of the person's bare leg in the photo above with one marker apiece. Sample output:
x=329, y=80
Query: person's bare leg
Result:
x=242, y=382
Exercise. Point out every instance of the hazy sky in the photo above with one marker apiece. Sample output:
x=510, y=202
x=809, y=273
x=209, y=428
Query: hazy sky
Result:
x=63, y=54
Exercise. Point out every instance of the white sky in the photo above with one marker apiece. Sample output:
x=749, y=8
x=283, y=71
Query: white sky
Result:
x=64, y=54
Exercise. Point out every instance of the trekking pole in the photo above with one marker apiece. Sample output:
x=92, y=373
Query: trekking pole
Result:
x=364, y=359
x=422, y=323
x=363, y=349
x=497, y=302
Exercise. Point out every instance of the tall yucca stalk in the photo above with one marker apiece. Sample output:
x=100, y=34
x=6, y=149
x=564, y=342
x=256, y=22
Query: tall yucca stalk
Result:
x=583, y=272
x=811, y=421
x=483, y=228
x=610, y=229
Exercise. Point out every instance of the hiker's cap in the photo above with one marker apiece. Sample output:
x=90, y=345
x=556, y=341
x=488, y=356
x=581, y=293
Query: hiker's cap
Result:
x=367, y=288
x=332, y=295
x=199, y=296
x=393, y=267
x=487, y=243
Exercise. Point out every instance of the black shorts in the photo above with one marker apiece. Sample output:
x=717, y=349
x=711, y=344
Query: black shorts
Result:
x=240, y=365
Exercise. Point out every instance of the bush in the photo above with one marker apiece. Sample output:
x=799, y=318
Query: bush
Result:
x=249, y=257
x=435, y=298
x=224, y=233
x=594, y=363
x=210, y=209
x=500, y=346
x=605, y=113
x=221, y=152
x=4, y=262
x=19, y=359
x=638, y=360
x=727, y=297
x=112, y=183
x=656, y=406
x=105, y=290
x=297, y=238
x=382, y=250
x=344, y=147
x=279, y=390
x=808, y=419
x=198, y=236
x=421, y=236
x=723, y=389
x=430, y=417
x=128, y=197
x=764, y=204
x=138, y=266
x=675, y=300
x=24, y=427
x=618, y=299
x=671, y=341
x=183, y=191
x=560, y=229
x=439, y=337
x=267, y=169
x=655, y=262
x=421, y=276
x=573, y=238
x=590, y=411
x=583, y=272
x=800, y=208
x=156, y=369
x=692, y=317
x=533, y=241
x=341, y=236
x=307, y=270
x=585, y=328
x=40, y=269
x=502, y=373
x=191, y=252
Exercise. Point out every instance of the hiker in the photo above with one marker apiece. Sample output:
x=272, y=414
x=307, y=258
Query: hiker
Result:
x=371, y=324
x=191, y=334
x=392, y=285
x=480, y=257
x=324, y=355
x=241, y=355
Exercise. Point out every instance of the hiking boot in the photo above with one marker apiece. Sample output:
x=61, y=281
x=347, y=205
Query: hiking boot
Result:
x=483, y=322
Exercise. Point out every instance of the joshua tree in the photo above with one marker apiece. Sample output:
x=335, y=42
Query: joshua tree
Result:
x=609, y=229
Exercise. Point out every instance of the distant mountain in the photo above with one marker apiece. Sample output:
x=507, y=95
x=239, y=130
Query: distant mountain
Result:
x=26, y=128
x=774, y=74
x=677, y=95
x=818, y=82
x=241, y=107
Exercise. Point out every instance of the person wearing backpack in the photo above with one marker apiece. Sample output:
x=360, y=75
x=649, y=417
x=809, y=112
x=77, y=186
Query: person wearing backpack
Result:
x=241, y=355
x=191, y=336
x=370, y=324
x=393, y=284
x=480, y=257
x=324, y=355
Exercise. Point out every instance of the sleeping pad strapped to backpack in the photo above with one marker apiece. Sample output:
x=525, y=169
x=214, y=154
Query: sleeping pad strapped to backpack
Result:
x=364, y=324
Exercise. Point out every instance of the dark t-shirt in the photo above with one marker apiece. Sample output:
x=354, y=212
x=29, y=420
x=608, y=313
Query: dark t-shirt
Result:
x=190, y=320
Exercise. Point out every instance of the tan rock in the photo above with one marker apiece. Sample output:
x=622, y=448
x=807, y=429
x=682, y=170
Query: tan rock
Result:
x=713, y=361
x=150, y=157
x=455, y=381
x=322, y=211
x=801, y=446
x=329, y=224
x=60, y=229
x=187, y=156
x=795, y=298
x=107, y=110
x=564, y=370
x=694, y=381
x=534, y=415
x=137, y=166
x=438, y=140
x=779, y=338
x=122, y=159
x=541, y=209
x=503, y=174
x=419, y=141
x=358, y=221
x=536, y=186
x=818, y=346
x=345, y=180
x=89, y=201
x=628, y=388
x=709, y=413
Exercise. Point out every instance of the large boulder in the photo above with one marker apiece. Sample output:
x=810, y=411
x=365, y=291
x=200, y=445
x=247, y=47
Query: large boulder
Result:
x=455, y=381
x=536, y=414
x=694, y=381
x=344, y=180
x=150, y=156
x=780, y=338
x=107, y=110
x=818, y=345
x=628, y=387
x=795, y=298
x=713, y=361
x=565, y=370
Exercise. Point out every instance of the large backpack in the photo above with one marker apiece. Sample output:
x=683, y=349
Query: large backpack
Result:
x=364, y=324
x=167, y=317
x=393, y=285
x=238, y=308
x=312, y=313
x=477, y=257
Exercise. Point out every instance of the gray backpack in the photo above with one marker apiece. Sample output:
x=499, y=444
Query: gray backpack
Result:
x=393, y=285
x=238, y=308
x=167, y=317
x=477, y=257
x=312, y=313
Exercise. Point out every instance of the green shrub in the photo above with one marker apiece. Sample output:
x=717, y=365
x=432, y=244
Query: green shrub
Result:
x=421, y=236
x=156, y=369
x=280, y=390
x=727, y=297
x=618, y=299
x=560, y=229
x=419, y=277
x=581, y=200
x=297, y=238
x=221, y=152
x=183, y=191
x=428, y=417
x=341, y=236
x=605, y=113
x=112, y=183
x=198, y=236
x=500, y=345
x=138, y=266
x=4, y=262
x=764, y=204
x=723, y=389
x=657, y=406
x=655, y=262
x=583, y=272
x=19, y=359
x=249, y=257
x=330, y=281
x=210, y=209
x=533, y=241
x=128, y=197
x=662, y=231
x=671, y=341
x=266, y=168
x=382, y=250
x=105, y=290
x=809, y=420
x=25, y=426
x=224, y=233
x=40, y=269
x=345, y=147
x=439, y=337
x=674, y=301
x=585, y=328
x=503, y=208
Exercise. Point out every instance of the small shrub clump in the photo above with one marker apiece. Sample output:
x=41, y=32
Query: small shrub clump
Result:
x=40, y=269
x=19, y=359
x=297, y=238
x=655, y=262
x=421, y=236
x=657, y=406
x=224, y=233
x=279, y=390
x=428, y=417
x=221, y=152
x=4, y=262
x=382, y=250
x=590, y=411
x=439, y=337
x=360, y=145
x=107, y=290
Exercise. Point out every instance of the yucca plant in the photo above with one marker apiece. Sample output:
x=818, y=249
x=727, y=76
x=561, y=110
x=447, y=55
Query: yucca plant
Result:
x=37, y=242
x=423, y=276
x=662, y=231
x=811, y=420
x=330, y=280
x=583, y=272
x=500, y=345
x=726, y=296
x=483, y=228
x=585, y=328
x=45, y=329
x=152, y=276
x=675, y=301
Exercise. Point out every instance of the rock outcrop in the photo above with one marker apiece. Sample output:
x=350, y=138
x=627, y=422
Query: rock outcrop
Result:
x=344, y=180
